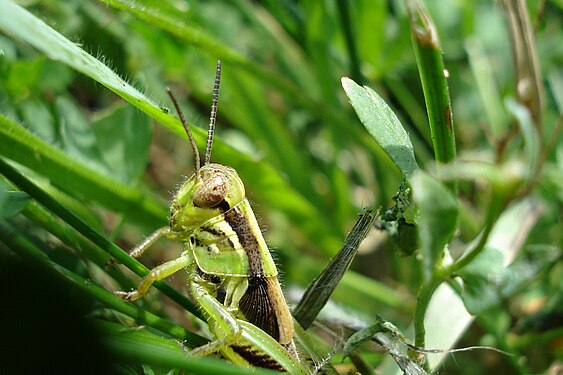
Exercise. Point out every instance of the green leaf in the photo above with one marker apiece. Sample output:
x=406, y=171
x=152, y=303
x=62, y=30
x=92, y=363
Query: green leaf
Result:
x=320, y=290
x=534, y=260
x=383, y=125
x=77, y=139
x=123, y=137
x=487, y=282
x=77, y=179
x=437, y=221
x=391, y=339
x=12, y=202
x=140, y=346
x=482, y=277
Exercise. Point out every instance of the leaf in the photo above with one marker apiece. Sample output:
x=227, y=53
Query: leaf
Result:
x=383, y=125
x=390, y=338
x=12, y=203
x=527, y=267
x=124, y=148
x=77, y=139
x=437, y=221
x=482, y=277
x=319, y=291
x=487, y=282
x=77, y=179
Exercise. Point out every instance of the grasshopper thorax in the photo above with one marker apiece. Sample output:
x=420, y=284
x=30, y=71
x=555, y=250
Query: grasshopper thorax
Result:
x=203, y=196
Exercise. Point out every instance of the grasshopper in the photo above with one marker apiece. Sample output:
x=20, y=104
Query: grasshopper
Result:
x=231, y=273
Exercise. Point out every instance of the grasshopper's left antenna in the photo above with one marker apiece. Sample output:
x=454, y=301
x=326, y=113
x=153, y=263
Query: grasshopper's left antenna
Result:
x=188, y=132
x=213, y=116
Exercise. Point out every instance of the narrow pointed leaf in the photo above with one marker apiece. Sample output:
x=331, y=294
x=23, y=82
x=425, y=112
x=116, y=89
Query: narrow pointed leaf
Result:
x=319, y=291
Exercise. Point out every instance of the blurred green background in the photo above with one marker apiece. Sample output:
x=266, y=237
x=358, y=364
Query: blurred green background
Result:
x=285, y=124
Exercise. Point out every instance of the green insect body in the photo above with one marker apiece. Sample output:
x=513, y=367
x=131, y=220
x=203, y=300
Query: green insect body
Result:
x=225, y=240
x=232, y=275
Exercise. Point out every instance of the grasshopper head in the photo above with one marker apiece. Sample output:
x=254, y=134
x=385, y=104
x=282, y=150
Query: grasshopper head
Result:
x=215, y=190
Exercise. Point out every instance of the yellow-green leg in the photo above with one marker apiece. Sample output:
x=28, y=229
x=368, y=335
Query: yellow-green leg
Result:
x=143, y=246
x=158, y=273
x=233, y=333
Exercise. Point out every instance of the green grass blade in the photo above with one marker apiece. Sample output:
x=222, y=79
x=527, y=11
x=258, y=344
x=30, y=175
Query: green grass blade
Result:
x=491, y=98
x=346, y=22
x=145, y=347
x=434, y=83
x=70, y=176
x=24, y=248
x=30, y=188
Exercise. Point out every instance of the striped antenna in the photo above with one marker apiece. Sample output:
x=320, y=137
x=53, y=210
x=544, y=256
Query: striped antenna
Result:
x=213, y=116
x=188, y=132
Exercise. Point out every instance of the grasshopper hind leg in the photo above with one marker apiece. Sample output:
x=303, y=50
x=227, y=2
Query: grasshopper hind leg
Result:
x=240, y=341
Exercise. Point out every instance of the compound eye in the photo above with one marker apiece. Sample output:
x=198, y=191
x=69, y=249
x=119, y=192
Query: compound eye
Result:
x=212, y=191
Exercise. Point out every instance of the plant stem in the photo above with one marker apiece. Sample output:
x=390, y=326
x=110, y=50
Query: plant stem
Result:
x=422, y=300
x=440, y=274
x=497, y=203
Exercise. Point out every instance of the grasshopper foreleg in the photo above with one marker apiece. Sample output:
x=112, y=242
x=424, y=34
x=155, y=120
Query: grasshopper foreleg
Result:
x=143, y=246
x=158, y=273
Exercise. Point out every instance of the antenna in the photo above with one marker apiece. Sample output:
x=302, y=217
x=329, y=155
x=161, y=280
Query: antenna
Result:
x=213, y=116
x=188, y=132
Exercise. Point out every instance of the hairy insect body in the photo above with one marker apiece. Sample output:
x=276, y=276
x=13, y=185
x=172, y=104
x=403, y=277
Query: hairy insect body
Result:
x=228, y=244
x=229, y=268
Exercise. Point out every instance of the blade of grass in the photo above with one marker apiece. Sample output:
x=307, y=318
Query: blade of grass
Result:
x=529, y=83
x=346, y=24
x=145, y=347
x=70, y=176
x=24, y=248
x=434, y=83
x=30, y=188
x=490, y=97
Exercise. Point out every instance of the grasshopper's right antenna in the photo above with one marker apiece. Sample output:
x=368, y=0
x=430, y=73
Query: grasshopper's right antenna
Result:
x=188, y=132
x=213, y=116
